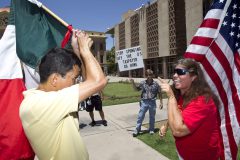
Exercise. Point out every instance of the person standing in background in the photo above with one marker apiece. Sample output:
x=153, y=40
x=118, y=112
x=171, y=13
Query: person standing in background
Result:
x=95, y=101
x=150, y=89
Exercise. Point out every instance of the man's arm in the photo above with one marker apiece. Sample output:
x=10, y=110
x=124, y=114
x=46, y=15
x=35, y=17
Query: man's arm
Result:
x=135, y=87
x=160, y=99
x=95, y=80
x=101, y=95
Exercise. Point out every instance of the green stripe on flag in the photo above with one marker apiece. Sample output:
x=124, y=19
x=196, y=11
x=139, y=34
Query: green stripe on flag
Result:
x=11, y=15
x=36, y=32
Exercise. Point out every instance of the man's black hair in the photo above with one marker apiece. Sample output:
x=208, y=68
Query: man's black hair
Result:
x=57, y=60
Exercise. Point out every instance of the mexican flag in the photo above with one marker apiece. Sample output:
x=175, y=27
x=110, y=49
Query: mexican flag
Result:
x=36, y=31
x=30, y=33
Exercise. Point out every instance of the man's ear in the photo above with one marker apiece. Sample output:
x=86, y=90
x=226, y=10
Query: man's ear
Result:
x=53, y=79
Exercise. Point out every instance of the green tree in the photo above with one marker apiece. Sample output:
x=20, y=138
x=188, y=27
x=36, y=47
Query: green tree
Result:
x=112, y=67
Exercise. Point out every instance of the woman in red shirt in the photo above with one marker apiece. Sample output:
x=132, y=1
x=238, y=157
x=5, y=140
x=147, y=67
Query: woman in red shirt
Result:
x=192, y=113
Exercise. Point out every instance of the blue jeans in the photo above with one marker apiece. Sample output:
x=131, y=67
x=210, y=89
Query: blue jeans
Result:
x=146, y=105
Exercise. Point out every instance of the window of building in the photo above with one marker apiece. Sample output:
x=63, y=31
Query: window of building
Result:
x=101, y=47
x=206, y=6
x=101, y=58
x=93, y=46
x=152, y=30
x=170, y=65
x=134, y=22
x=122, y=35
x=160, y=67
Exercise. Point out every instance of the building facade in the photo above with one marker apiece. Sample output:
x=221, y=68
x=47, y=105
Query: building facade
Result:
x=99, y=48
x=3, y=19
x=99, y=39
x=163, y=29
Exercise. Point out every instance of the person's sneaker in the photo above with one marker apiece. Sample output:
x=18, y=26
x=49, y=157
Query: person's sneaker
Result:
x=104, y=122
x=93, y=123
x=82, y=108
x=135, y=134
x=151, y=132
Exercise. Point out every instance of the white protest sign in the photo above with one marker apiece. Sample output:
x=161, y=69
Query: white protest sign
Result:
x=130, y=58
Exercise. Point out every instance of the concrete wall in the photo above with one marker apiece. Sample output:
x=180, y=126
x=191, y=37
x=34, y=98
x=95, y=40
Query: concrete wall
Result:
x=194, y=17
x=116, y=36
x=143, y=32
x=163, y=28
x=127, y=33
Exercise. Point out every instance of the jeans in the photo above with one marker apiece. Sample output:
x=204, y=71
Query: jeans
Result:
x=146, y=105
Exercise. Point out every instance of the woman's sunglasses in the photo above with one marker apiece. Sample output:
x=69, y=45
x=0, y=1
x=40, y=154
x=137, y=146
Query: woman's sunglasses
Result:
x=181, y=71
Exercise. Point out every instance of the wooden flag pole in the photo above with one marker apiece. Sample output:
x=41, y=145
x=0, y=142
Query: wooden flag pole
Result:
x=55, y=16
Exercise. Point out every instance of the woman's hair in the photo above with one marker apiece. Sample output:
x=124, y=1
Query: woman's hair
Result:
x=199, y=86
x=57, y=60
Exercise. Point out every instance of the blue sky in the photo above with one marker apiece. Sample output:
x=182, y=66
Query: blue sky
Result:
x=93, y=15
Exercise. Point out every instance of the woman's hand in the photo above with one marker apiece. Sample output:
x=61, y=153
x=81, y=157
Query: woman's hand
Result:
x=163, y=130
x=165, y=87
x=161, y=105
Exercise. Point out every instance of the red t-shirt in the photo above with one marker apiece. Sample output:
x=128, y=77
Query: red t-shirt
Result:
x=202, y=143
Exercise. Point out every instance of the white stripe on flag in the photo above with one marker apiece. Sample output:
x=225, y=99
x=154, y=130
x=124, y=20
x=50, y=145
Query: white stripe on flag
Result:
x=10, y=68
x=32, y=78
x=206, y=32
x=197, y=49
x=214, y=13
x=39, y=4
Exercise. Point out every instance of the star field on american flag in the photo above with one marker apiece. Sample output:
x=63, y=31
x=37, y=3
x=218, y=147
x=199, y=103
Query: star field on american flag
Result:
x=230, y=29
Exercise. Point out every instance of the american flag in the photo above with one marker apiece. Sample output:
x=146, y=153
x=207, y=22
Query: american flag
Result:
x=216, y=45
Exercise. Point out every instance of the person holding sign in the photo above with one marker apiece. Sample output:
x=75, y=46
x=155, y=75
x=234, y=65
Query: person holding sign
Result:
x=150, y=89
x=192, y=113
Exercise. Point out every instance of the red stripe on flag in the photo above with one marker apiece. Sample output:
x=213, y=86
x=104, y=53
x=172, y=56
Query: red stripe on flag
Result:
x=228, y=70
x=210, y=23
x=237, y=61
x=197, y=57
x=13, y=142
x=203, y=41
x=222, y=93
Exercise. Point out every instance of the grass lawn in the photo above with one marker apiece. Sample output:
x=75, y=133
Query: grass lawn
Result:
x=120, y=93
x=165, y=146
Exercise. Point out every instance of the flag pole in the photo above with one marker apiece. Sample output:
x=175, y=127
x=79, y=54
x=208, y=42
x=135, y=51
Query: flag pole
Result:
x=55, y=16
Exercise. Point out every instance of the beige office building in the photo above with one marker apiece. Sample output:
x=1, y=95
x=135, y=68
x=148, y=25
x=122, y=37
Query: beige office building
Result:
x=163, y=29
x=99, y=48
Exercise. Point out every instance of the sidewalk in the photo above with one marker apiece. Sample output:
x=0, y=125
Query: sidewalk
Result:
x=115, y=142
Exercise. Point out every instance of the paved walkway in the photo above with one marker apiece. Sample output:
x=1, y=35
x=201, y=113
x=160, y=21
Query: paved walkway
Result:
x=115, y=142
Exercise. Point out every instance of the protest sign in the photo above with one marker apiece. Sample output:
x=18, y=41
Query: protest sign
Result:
x=129, y=59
